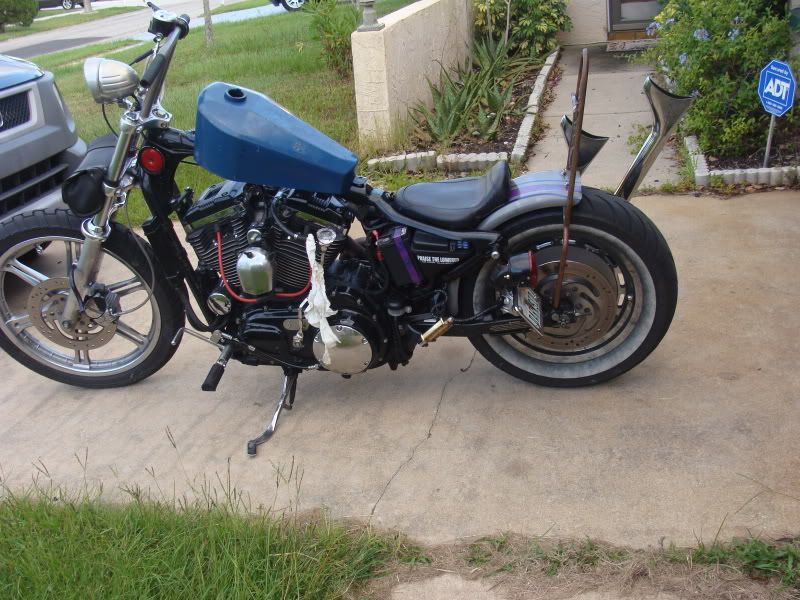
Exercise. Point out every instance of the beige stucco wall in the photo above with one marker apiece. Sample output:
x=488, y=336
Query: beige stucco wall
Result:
x=391, y=67
x=589, y=22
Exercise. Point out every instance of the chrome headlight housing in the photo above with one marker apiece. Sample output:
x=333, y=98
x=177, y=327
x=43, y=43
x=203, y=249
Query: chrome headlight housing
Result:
x=109, y=80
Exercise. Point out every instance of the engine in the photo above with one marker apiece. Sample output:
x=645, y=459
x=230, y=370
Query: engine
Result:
x=262, y=250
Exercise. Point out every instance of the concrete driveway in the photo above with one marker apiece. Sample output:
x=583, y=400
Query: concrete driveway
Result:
x=705, y=430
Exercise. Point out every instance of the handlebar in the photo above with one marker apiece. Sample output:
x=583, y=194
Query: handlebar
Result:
x=154, y=74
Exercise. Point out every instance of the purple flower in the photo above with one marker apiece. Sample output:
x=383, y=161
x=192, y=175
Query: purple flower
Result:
x=683, y=58
x=695, y=93
x=733, y=33
x=669, y=21
x=737, y=19
x=652, y=28
x=700, y=34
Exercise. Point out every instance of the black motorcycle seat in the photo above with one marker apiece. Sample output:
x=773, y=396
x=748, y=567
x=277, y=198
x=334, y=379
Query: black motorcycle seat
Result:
x=455, y=203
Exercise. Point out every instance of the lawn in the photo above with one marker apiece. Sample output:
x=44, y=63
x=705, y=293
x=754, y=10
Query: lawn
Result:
x=73, y=19
x=87, y=549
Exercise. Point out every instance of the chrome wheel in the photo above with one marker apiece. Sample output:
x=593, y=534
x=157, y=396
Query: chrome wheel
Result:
x=608, y=308
x=67, y=4
x=292, y=4
x=117, y=331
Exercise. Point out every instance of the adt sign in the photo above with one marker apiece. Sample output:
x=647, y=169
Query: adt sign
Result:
x=776, y=88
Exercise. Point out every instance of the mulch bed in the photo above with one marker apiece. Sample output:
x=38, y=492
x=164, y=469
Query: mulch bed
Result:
x=785, y=152
x=507, y=133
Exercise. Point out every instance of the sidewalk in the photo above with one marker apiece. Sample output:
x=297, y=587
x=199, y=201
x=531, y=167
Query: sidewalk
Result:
x=615, y=105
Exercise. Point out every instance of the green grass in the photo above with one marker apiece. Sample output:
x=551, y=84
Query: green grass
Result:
x=73, y=19
x=87, y=549
x=756, y=557
x=240, y=6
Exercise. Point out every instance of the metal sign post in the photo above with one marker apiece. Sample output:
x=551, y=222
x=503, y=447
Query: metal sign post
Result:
x=776, y=88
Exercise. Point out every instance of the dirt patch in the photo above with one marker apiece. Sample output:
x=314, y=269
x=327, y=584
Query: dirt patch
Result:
x=514, y=567
x=785, y=152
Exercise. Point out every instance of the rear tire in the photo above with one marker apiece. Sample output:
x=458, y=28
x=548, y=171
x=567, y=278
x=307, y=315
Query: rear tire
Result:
x=23, y=339
x=292, y=5
x=624, y=261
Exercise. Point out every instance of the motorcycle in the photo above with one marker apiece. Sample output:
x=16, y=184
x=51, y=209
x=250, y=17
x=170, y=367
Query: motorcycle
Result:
x=553, y=282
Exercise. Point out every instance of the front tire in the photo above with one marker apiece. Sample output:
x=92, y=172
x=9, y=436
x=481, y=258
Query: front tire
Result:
x=101, y=352
x=67, y=4
x=620, y=273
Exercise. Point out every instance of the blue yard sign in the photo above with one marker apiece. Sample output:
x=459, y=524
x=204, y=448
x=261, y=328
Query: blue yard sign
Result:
x=776, y=88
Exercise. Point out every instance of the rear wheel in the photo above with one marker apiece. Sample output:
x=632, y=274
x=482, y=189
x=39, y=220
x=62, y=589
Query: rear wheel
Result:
x=618, y=297
x=125, y=333
x=67, y=4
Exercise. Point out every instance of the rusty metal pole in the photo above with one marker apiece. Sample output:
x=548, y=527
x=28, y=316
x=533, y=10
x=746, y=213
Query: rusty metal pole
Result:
x=579, y=102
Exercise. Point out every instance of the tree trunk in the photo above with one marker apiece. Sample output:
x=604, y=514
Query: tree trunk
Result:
x=87, y=6
x=207, y=19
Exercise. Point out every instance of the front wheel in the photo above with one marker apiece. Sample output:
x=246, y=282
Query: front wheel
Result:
x=67, y=4
x=618, y=297
x=125, y=332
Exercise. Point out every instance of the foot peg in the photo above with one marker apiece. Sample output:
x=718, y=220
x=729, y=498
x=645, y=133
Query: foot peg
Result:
x=286, y=401
x=217, y=370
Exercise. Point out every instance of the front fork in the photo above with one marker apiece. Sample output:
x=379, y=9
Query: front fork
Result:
x=97, y=229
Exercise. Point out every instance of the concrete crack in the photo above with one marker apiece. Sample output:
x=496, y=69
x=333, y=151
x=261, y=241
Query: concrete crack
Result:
x=427, y=435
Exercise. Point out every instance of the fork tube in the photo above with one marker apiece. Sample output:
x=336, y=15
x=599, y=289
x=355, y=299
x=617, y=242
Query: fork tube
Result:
x=96, y=230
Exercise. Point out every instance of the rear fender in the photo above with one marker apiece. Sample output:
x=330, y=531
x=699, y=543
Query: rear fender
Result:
x=529, y=193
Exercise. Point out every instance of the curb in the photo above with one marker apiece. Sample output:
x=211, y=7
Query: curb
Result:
x=772, y=176
x=532, y=109
x=421, y=161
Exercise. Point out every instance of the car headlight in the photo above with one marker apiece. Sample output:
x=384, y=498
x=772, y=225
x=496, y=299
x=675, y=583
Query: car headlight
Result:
x=109, y=80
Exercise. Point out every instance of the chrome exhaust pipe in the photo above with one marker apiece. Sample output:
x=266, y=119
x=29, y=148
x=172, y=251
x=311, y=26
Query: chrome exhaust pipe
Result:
x=589, y=147
x=667, y=111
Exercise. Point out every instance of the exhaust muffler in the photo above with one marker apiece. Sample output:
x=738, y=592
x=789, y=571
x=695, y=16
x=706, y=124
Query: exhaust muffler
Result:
x=667, y=112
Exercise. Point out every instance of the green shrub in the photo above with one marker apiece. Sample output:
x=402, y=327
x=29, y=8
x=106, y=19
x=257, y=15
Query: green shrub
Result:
x=715, y=50
x=332, y=25
x=17, y=12
x=528, y=26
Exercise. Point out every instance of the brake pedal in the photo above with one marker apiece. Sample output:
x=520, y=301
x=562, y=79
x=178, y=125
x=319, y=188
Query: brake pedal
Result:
x=217, y=370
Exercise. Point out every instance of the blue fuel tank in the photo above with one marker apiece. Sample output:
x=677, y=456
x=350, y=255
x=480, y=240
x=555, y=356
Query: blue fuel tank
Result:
x=244, y=136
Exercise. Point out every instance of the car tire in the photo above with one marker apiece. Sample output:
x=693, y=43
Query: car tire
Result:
x=68, y=4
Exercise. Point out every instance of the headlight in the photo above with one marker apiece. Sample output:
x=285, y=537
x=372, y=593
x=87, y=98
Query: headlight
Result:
x=109, y=80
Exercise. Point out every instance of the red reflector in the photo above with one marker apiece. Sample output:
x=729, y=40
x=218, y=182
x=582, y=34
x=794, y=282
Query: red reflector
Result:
x=151, y=160
x=534, y=269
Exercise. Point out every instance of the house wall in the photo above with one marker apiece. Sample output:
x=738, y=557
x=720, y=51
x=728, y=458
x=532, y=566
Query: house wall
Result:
x=391, y=67
x=589, y=22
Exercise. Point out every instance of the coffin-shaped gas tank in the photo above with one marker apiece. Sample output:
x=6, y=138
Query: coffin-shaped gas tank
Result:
x=244, y=136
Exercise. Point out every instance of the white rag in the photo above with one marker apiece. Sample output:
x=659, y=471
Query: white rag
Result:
x=317, y=306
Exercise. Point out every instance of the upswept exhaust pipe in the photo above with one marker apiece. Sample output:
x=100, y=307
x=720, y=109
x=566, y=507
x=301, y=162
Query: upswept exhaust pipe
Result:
x=590, y=145
x=667, y=111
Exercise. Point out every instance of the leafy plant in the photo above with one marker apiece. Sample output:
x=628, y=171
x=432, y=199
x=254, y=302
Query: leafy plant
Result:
x=526, y=26
x=17, y=12
x=332, y=25
x=474, y=100
x=715, y=51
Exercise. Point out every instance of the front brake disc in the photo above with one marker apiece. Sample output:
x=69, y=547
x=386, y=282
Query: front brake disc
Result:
x=45, y=304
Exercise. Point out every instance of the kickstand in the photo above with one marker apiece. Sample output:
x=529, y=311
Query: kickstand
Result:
x=286, y=400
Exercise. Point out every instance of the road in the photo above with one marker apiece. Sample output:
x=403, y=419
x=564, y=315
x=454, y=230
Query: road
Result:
x=122, y=26
x=704, y=432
